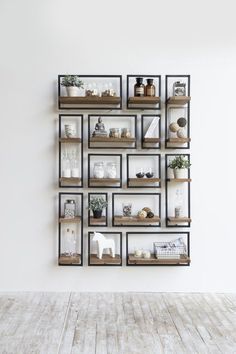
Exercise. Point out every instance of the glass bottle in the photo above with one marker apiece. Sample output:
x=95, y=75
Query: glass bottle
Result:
x=66, y=170
x=98, y=170
x=139, y=88
x=74, y=165
x=178, y=203
x=150, y=88
x=111, y=170
x=69, y=208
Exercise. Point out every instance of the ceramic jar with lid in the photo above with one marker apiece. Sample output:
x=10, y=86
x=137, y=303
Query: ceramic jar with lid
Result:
x=98, y=170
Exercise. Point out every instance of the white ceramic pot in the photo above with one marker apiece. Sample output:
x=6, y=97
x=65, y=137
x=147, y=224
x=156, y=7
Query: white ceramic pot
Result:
x=180, y=173
x=72, y=91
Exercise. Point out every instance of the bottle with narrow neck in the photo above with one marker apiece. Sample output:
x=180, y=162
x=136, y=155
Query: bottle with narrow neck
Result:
x=139, y=88
x=150, y=88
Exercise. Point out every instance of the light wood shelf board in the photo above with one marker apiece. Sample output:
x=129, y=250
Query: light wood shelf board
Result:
x=144, y=100
x=179, y=220
x=111, y=140
x=144, y=180
x=65, y=260
x=106, y=259
x=126, y=220
x=70, y=140
x=179, y=100
x=104, y=180
x=70, y=179
x=179, y=179
x=89, y=100
x=153, y=260
x=151, y=140
x=97, y=221
x=76, y=219
x=178, y=140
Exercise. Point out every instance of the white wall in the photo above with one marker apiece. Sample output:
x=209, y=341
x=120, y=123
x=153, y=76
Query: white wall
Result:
x=39, y=40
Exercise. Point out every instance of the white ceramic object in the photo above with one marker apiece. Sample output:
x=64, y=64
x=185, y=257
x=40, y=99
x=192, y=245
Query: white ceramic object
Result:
x=138, y=253
x=70, y=131
x=181, y=133
x=104, y=243
x=170, y=173
x=146, y=254
x=72, y=91
x=180, y=172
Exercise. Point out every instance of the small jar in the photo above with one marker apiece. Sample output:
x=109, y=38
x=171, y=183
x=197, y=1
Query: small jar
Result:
x=98, y=170
x=114, y=133
x=69, y=208
x=127, y=209
x=111, y=170
x=179, y=88
x=139, y=88
x=125, y=133
x=150, y=89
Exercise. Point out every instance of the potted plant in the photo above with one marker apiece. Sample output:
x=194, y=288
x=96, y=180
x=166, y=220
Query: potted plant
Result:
x=179, y=165
x=72, y=83
x=97, y=204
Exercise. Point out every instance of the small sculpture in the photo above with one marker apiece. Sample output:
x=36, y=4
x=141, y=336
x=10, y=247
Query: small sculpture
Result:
x=181, y=133
x=142, y=214
x=99, y=128
x=174, y=127
x=182, y=122
x=104, y=243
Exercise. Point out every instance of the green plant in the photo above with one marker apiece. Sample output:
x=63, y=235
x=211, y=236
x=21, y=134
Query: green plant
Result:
x=97, y=203
x=179, y=162
x=72, y=80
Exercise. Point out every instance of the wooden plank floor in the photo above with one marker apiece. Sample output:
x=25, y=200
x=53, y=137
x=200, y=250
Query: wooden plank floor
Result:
x=119, y=323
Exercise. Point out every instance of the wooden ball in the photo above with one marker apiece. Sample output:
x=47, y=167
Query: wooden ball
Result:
x=182, y=122
x=174, y=127
x=142, y=214
x=181, y=133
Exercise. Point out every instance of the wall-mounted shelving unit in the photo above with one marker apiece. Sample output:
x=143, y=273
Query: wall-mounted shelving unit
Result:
x=143, y=102
x=177, y=195
x=118, y=131
x=70, y=229
x=90, y=97
x=177, y=112
x=163, y=254
x=113, y=239
x=70, y=151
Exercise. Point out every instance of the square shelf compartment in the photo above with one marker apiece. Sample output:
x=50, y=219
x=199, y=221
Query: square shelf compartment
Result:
x=70, y=229
x=98, y=92
x=157, y=248
x=150, y=170
x=177, y=130
x=105, y=170
x=151, y=131
x=125, y=208
x=125, y=137
x=70, y=150
x=143, y=102
x=177, y=195
x=178, y=90
x=105, y=248
x=94, y=219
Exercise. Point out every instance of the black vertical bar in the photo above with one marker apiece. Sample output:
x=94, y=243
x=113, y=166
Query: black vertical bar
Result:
x=81, y=227
x=166, y=191
x=127, y=169
x=82, y=151
x=127, y=250
x=89, y=234
x=113, y=219
x=59, y=165
x=121, y=103
x=166, y=108
x=160, y=91
x=121, y=260
x=58, y=91
x=127, y=90
x=88, y=170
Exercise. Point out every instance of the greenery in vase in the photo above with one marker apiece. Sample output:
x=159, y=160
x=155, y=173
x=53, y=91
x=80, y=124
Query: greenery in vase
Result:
x=179, y=162
x=72, y=80
x=97, y=203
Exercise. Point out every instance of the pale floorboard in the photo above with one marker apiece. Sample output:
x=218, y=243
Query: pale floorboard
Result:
x=117, y=323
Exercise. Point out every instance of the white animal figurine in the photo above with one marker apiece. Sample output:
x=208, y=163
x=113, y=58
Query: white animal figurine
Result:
x=103, y=243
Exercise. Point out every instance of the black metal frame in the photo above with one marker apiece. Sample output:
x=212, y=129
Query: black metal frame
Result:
x=106, y=198
x=157, y=233
x=143, y=155
x=150, y=145
x=59, y=228
x=134, y=116
x=168, y=224
x=175, y=146
x=81, y=151
x=106, y=265
x=98, y=107
x=138, y=107
x=105, y=186
x=135, y=225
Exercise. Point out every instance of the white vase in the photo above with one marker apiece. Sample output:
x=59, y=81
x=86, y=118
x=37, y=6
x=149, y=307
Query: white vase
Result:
x=180, y=173
x=72, y=91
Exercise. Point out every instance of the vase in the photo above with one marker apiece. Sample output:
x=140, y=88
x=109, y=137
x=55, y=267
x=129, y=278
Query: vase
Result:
x=180, y=172
x=72, y=91
x=97, y=214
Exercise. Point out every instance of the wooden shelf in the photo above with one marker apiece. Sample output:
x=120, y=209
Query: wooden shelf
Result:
x=178, y=140
x=151, y=140
x=69, y=260
x=76, y=219
x=179, y=179
x=106, y=139
x=126, y=220
x=70, y=179
x=179, y=220
x=70, y=140
x=153, y=260
x=97, y=221
x=144, y=180
x=144, y=100
x=106, y=260
x=90, y=100
x=179, y=100
x=104, y=180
